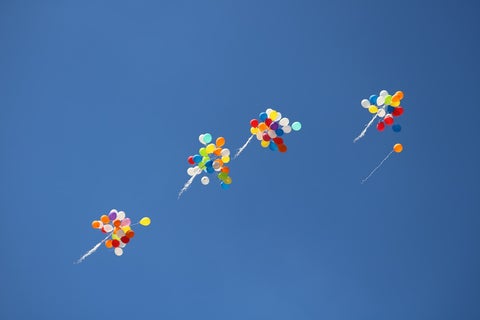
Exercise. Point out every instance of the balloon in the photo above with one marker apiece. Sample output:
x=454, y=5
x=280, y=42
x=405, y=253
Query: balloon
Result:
x=399, y=94
x=108, y=243
x=284, y=122
x=388, y=100
x=224, y=185
x=380, y=100
x=97, y=224
x=296, y=126
x=104, y=218
x=388, y=120
x=373, y=109
x=381, y=113
x=384, y=93
x=205, y=180
x=145, y=221
x=125, y=222
x=282, y=148
x=263, y=116
x=287, y=129
x=207, y=138
x=373, y=99
x=381, y=126
x=118, y=251
x=398, y=148
x=112, y=215
x=220, y=141
x=396, y=127
x=365, y=103
x=254, y=123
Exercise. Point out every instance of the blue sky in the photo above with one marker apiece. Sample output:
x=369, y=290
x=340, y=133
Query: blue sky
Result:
x=101, y=103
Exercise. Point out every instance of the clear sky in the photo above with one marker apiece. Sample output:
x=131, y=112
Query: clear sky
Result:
x=101, y=103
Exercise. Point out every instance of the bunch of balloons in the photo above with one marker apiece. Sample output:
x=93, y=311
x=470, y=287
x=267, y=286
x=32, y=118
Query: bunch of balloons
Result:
x=119, y=228
x=211, y=158
x=270, y=127
x=386, y=107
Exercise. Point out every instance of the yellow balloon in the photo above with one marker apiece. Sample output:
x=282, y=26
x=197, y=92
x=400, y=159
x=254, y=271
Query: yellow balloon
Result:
x=273, y=115
x=373, y=109
x=145, y=221
x=398, y=148
x=210, y=148
x=395, y=103
x=265, y=143
x=126, y=228
x=225, y=159
x=253, y=130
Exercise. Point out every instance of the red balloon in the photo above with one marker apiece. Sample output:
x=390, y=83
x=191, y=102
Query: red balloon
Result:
x=278, y=141
x=125, y=239
x=115, y=243
x=254, y=123
x=190, y=160
x=268, y=121
x=266, y=137
x=398, y=111
x=282, y=148
x=380, y=126
x=388, y=120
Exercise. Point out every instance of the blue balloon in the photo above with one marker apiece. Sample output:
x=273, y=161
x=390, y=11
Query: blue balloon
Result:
x=224, y=186
x=397, y=128
x=210, y=169
x=279, y=132
x=273, y=146
x=373, y=99
x=390, y=109
x=197, y=158
x=209, y=163
x=263, y=116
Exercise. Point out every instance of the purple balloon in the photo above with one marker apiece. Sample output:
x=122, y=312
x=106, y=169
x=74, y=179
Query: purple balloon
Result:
x=274, y=125
x=112, y=215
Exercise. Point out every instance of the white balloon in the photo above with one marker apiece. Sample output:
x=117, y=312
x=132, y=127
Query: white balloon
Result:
x=108, y=228
x=205, y=180
x=365, y=103
x=197, y=170
x=259, y=136
x=287, y=129
x=384, y=93
x=381, y=113
x=120, y=233
x=118, y=251
x=191, y=171
x=216, y=165
x=121, y=215
x=272, y=134
x=268, y=111
x=380, y=100
x=200, y=138
x=284, y=122
x=279, y=116
x=225, y=152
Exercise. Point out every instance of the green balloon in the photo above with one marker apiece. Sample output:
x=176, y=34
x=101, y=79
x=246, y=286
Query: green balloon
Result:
x=388, y=100
x=202, y=152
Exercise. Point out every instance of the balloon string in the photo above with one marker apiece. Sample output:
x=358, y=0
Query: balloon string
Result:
x=365, y=129
x=243, y=147
x=376, y=168
x=91, y=251
x=187, y=184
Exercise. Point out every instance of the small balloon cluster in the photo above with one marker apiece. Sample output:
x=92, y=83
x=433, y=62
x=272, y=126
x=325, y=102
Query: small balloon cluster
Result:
x=211, y=159
x=386, y=107
x=119, y=226
x=270, y=127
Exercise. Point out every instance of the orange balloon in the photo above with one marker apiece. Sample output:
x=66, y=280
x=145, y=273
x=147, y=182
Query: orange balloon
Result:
x=108, y=243
x=117, y=223
x=262, y=126
x=398, y=148
x=399, y=94
x=225, y=169
x=220, y=141
x=96, y=224
x=130, y=234
x=105, y=219
x=282, y=148
x=217, y=152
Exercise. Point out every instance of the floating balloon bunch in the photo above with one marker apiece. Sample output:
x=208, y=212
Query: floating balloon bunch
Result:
x=211, y=159
x=386, y=107
x=118, y=228
x=269, y=129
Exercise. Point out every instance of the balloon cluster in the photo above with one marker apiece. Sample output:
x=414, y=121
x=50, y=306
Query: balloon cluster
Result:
x=119, y=226
x=211, y=159
x=386, y=107
x=270, y=127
